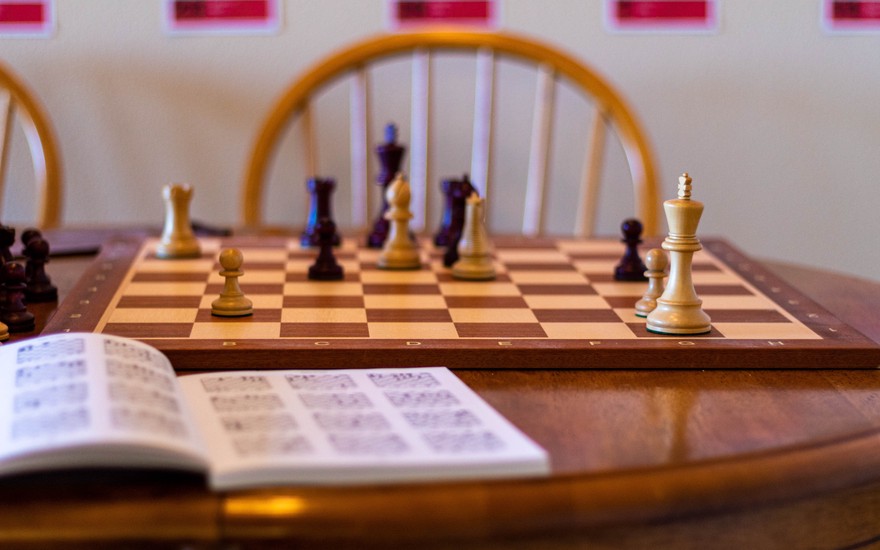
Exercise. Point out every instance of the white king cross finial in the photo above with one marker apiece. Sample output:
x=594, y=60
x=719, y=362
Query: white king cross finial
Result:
x=684, y=186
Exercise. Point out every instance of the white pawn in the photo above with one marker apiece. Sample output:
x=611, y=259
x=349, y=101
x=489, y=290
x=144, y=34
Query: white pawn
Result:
x=656, y=262
x=178, y=240
x=232, y=301
x=474, y=257
x=399, y=251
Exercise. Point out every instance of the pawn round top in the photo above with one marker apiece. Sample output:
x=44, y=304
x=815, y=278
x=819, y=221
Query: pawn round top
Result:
x=631, y=228
x=231, y=259
x=656, y=260
x=14, y=272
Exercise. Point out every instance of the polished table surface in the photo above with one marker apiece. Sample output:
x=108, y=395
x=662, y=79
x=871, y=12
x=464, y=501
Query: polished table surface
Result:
x=693, y=459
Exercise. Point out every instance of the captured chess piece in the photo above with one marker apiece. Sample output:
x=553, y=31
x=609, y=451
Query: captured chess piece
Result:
x=232, y=301
x=320, y=192
x=178, y=239
x=14, y=313
x=399, y=251
x=475, y=260
x=325, y=267
x=390, y=158
x=656, y=262
x=39, y=285
x=631, y=267
x=679, y=310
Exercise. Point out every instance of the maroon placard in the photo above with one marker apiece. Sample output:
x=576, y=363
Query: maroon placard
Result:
x=662, y=15
x=851, y=16
x=420, y=13
x=28, y=18
x=221, y=16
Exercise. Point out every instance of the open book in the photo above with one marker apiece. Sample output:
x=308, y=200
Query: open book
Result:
x=92, y=400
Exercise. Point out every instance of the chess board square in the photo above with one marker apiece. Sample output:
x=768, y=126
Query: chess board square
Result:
x=412, y=331
x=400, y=277
x=323, y=315
x=251, y=276
x=565, y=302
x=479, y=288
x=540, y=267
x=249, y=289
x=588, y=331
x=323, y=288
x=144, y=330
x=721, y=290
x=485, y=302
x=576, y=316
x=402, y=288
x=260, y=301
x=193, y=265
x=595, y=267
x=530, y=255
x=542, y=277
x=152, y=315
x=324, y=330
x=735, y=302
x=447, y=277
x=630, y=290
x=716, y=277
x=622, y=302
x=165, y=289
x=612, y=248
x=766, y=331
x=236, y=330
x=556, y=289
x=349, y=276
x=401, y=301
x=159, y=302
x=745, y=316
x=258, y=316
x=323, y=301
x=489, y=315
x=500, y=330
x=408, y=316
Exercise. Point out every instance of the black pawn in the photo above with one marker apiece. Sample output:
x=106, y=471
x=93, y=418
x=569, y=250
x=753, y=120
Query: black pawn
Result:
x=14, y=313
x=39, y=285
x=390, y=156
x=325, y=267
x=631, y=267
x=320, y=190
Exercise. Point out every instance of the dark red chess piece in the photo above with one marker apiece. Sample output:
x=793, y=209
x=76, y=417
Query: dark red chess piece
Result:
x=39, y=285
x=456, y=193
x=14, y=313
x=320, y=190
x=390, y=157
x=7, y=239
x=325, y=267
x=631, y=267
x=459, y=192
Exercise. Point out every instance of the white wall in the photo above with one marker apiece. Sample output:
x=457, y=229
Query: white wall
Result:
x=777, y=121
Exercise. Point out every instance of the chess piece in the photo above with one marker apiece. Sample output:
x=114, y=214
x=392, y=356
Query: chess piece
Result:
x=475, y=261
x=320, y=191
x=399, y=251
x=460, y=193
x=7, y=239
x=178, y=239
x=232, y=301
x=39, y=285
x=390, y=156
x=631, y=267
x=456, y=193
x=656, y=262
x=325, y=267
x=679, y=310
x=14, y=313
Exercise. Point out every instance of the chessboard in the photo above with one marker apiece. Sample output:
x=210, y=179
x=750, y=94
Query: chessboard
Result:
x=553, y=304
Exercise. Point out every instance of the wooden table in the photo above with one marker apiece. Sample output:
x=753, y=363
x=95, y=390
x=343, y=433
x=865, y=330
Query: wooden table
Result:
x=650, y=458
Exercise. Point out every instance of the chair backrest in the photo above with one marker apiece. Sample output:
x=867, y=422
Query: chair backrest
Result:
x=550, y=67
x=18, y=103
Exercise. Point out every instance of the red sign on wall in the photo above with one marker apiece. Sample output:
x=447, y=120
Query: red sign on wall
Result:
x=27, y=18
x=421, y=13
x=222, y=16
x=848, y=16
x=662, y=15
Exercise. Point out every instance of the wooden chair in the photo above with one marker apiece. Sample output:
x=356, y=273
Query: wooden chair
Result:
x=550, y=67
x=16, y=99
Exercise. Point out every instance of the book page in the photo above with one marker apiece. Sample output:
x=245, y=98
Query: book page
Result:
x=88, y=399
x=352, y=426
